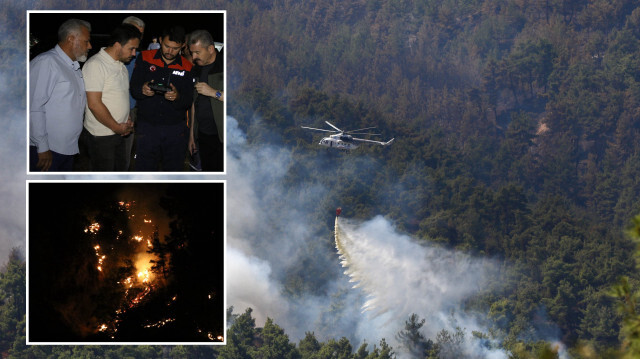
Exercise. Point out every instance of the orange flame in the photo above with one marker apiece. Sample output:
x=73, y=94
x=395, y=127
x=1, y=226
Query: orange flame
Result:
x=93, y=228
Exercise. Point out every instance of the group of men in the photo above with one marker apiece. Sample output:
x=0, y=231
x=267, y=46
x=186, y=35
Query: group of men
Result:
x=174, y=105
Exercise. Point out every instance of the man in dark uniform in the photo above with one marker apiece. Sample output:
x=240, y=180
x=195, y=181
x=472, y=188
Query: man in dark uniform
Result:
x=207, y=130
x=162, y=85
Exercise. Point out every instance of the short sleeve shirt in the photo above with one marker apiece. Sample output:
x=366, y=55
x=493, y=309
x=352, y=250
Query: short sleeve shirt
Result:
x=104, y=74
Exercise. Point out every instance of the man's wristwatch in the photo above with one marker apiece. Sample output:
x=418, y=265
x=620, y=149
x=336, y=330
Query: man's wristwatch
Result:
x=218, y=94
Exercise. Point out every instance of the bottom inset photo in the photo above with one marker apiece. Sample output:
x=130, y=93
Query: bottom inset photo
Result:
x=126, y=262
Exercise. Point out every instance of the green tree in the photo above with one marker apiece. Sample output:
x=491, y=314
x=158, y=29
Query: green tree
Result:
x=629, y=299
x=12, y=301
x=449, y=345
x=333, y=349
x=240, y=337
x=309, y=345
x=275, y=343
x=412, y=340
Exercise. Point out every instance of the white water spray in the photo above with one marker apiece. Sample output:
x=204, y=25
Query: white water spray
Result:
x=400, y=277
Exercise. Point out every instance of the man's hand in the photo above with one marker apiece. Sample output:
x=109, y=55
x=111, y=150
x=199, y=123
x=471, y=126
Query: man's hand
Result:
x=192, y=145
x=146, y=90
x=171, y=95
x=44, y=160
x=204, y=89
x=123, y=129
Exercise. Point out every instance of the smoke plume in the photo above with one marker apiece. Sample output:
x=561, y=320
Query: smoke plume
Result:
x=270, y=235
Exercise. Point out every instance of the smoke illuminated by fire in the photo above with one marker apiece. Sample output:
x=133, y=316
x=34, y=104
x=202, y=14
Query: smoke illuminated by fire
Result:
x=144, y=276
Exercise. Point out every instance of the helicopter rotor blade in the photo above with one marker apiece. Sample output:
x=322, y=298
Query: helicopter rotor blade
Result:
x=364, y=134
x=372, y=141
x=318, y=129
x=360, y=129
x=330, y=124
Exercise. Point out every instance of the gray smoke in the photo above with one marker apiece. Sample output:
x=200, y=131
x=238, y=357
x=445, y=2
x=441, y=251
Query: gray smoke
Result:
x=12, y=177
x=269, y=231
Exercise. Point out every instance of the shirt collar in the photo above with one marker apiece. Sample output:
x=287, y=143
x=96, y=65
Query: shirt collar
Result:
x=106, y=55
x=177, y=61
x=74, y=64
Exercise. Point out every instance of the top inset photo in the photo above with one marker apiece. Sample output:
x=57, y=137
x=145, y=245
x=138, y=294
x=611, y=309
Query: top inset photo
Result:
x=126, y=91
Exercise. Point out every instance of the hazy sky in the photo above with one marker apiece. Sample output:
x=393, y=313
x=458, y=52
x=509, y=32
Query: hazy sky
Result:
x=12, y=142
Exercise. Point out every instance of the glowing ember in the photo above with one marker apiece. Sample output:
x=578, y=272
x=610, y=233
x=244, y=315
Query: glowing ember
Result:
x=129, y=282
x=149, y=243
x=135, y=301
x=125, y=206
x=160, y=323
x=102, y=328
x=138, y=238
x=147, y=221
x=93, y=228
x=211, y=337
x=100, y=256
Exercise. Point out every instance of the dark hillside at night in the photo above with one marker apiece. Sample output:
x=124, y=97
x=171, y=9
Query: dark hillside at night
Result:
x=125, y=262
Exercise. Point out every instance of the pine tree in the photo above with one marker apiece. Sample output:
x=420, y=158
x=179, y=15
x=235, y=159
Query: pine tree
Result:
x=412, y=339
x=12, y=301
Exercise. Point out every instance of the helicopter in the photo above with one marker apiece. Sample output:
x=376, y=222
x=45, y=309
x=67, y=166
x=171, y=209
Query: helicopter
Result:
x=343, y=140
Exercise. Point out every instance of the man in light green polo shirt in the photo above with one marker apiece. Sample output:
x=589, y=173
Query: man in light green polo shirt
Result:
x=107, y=113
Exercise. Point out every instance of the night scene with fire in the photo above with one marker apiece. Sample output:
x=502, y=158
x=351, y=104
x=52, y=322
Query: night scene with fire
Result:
x=126, y=262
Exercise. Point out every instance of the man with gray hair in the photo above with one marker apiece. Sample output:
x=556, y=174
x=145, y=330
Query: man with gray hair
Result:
x=135, y=21
x=57, y=99
x=207, y=112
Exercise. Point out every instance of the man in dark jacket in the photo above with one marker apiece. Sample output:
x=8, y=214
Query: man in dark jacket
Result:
x=207, y=130
x=162, y=85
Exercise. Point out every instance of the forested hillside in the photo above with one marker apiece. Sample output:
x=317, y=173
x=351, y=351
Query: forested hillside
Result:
x=516, y=126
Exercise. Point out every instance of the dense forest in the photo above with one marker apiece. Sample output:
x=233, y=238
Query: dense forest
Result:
x=516, y=126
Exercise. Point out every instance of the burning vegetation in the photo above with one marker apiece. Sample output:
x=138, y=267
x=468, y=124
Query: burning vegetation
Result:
x=128, y=271
x=138, y=281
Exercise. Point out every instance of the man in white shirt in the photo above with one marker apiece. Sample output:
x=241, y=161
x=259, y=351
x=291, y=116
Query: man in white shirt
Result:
x=140, y=25
x=57, y=99
x=107, y=113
